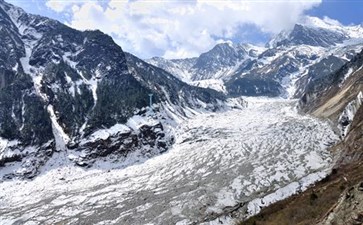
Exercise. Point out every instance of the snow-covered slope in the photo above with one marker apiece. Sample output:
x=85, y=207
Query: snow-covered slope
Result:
x=215, y=84
x=178, y=67
x=221, y=162
x=218, y=63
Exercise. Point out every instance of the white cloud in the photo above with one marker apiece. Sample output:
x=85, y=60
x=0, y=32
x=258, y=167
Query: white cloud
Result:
x=60, y=5
x=176, y=29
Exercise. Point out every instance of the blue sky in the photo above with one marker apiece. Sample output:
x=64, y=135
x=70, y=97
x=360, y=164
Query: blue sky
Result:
x=345, y=11
x=178, y=29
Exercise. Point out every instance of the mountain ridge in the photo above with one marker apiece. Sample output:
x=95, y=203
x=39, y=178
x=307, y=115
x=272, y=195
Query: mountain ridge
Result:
x=280, y=68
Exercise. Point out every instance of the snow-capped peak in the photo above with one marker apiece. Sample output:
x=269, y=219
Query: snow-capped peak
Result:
x=352, y=31
x=228, y=42
x=325, y=23
x=314, y=31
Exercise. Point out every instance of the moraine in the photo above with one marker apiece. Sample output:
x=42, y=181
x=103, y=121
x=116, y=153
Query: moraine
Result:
x=218, y=161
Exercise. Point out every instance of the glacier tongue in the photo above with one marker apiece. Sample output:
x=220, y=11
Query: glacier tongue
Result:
x=219, y=160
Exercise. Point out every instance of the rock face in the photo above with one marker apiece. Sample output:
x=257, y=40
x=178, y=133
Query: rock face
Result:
x=58, y=86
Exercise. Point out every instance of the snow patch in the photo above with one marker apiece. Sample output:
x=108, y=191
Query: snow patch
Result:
x=255, y=206
x=61, y=138
x=346, y=76
x=137, y=121
x=104, y=134
x=215, y=84
x=348, y=114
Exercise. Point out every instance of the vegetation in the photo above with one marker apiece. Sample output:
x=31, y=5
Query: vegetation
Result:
x=313, y=205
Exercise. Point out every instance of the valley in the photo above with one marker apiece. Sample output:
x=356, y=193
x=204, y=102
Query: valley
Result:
x=248, y=158
x=238, y=133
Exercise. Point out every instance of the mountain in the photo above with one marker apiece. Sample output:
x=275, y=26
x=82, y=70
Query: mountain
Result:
x=313, y=36
x=337, y=96
x=283, y=68
x=63, y=90
x=219, y=62
x=297, y=55
x=317, y=32
x=178, y=67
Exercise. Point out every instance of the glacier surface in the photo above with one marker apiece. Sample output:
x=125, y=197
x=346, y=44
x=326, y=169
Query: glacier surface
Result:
x=246, y=157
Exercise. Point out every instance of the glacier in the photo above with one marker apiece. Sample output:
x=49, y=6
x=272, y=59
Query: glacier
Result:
x=240, y=159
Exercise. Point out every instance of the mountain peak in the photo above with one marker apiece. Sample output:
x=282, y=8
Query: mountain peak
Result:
x=314, y=32
x=325, y=23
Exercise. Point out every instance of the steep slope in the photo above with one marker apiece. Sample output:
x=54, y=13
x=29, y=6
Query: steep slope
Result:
x=221, y=61
x=328, y=94
x=67, y=90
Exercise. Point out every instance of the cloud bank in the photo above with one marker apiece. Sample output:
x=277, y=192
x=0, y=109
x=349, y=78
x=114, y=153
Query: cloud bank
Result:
x=178, y=29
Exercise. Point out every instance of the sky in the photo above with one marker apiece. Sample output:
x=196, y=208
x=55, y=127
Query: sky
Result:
x=187, y=28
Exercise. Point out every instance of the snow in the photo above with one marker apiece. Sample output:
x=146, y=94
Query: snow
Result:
x=25, y=61
x=219, y=159
x=30, y=38
x=352, y=31
x=5, y=148
x=215, y=84
x=3, y=145
x=179, y=69
x=325, y=23
x=258, y=49
x=256, y=205
x=92, y=84
x=15, y=68
x=350, y=72
x=137, y=121
x=61, y=138
x=104, y=134
x=66, y=58
x=347, y=75
x=349, y=112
